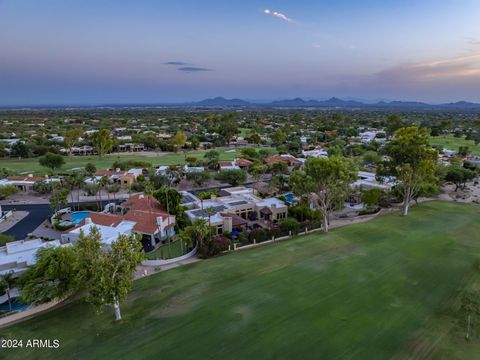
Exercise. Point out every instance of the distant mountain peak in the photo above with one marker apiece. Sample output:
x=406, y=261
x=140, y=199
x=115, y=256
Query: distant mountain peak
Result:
x=333, y=102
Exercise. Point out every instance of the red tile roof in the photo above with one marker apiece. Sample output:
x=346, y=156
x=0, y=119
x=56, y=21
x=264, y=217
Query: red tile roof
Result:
x=143, y=210
x=290, y=160
x=243, y=162
x=144, y=203
x=146, y=222
x=100, y=219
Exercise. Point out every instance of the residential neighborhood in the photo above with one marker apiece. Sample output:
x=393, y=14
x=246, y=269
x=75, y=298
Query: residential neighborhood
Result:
x=239, y=180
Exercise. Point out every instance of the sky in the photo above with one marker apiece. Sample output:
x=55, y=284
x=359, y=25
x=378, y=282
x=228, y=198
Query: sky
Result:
x=146, y=51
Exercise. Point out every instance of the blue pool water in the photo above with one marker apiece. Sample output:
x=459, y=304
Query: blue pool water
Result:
x=78, y=216
x=17, y=305
x=289, y=198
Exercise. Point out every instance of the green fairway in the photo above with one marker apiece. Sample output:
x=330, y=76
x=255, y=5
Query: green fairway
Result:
x=361, y=292
x=453, y=143
x=75, y=162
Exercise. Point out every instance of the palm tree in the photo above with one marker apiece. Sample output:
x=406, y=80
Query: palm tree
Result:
x=70, y=183
x=198, y=232
x=79, y=182
x=149, y=190
x=115, y=188
x=7, y=281
x=102, y=184
x=210, y=211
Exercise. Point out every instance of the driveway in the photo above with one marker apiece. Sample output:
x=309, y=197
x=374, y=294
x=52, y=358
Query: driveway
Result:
x=37, y=214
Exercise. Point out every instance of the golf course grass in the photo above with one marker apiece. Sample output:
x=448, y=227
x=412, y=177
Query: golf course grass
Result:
x=31, y=165
x=372, y=290
x=451, y=142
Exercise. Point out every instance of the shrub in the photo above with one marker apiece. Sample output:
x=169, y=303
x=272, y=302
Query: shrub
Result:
x=129, y=164
x=289, y=224
x=5, y=238
x=42, y=187
x=232, y=177
x=205, y=195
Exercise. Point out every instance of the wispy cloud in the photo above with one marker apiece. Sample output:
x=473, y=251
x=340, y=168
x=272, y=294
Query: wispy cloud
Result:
x=462, y=66
x=278, y=15
x=193, y=69
x=177, y=63
x=186, y=67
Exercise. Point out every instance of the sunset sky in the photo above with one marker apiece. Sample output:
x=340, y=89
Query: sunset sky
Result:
x=146, y=51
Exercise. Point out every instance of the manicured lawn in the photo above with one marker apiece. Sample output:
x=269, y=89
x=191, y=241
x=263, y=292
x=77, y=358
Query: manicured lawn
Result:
x=166, y=251
x=453, y=143
x=75, y=162
x=360, y=292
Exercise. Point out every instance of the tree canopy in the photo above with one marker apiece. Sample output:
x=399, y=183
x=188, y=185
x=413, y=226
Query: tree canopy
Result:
x=411, y=160
x=325, y=182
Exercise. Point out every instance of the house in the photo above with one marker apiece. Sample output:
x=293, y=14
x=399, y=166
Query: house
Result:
x=206, y=145
x=243, y=163
x=316, y=153
x=193, y=169
x=17, y=256
x=372, y=134
x=25, y=183
x=83, y=150
x=109, y=226
x=131, y=147
x=368, y=180
x=117, y=176
x=139, y=214
x=290, y=160
x=152, y=221
x=238, y=203
x=228, y=165
x=162, y=170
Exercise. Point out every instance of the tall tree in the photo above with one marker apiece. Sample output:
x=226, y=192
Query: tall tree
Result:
x=196, y=233
x=102, y=140
x=326, y=182
x=279, y=137
x=169, y=199
x=70, y=138
x=52, y=161
x=90, y=169
x=7, y=282
x=394, y=122
x=112, y=279
x=59, y=198
x=228, y=126
x=52, y=277
x=179, y=140
x=411, y=160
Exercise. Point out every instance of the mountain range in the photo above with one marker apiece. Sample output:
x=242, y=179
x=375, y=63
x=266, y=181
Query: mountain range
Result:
x=330, y=103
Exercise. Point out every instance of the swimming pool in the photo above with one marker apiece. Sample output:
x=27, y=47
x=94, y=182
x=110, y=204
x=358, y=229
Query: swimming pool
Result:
x=17, y=305
x=78, y=216
x=289, y=198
